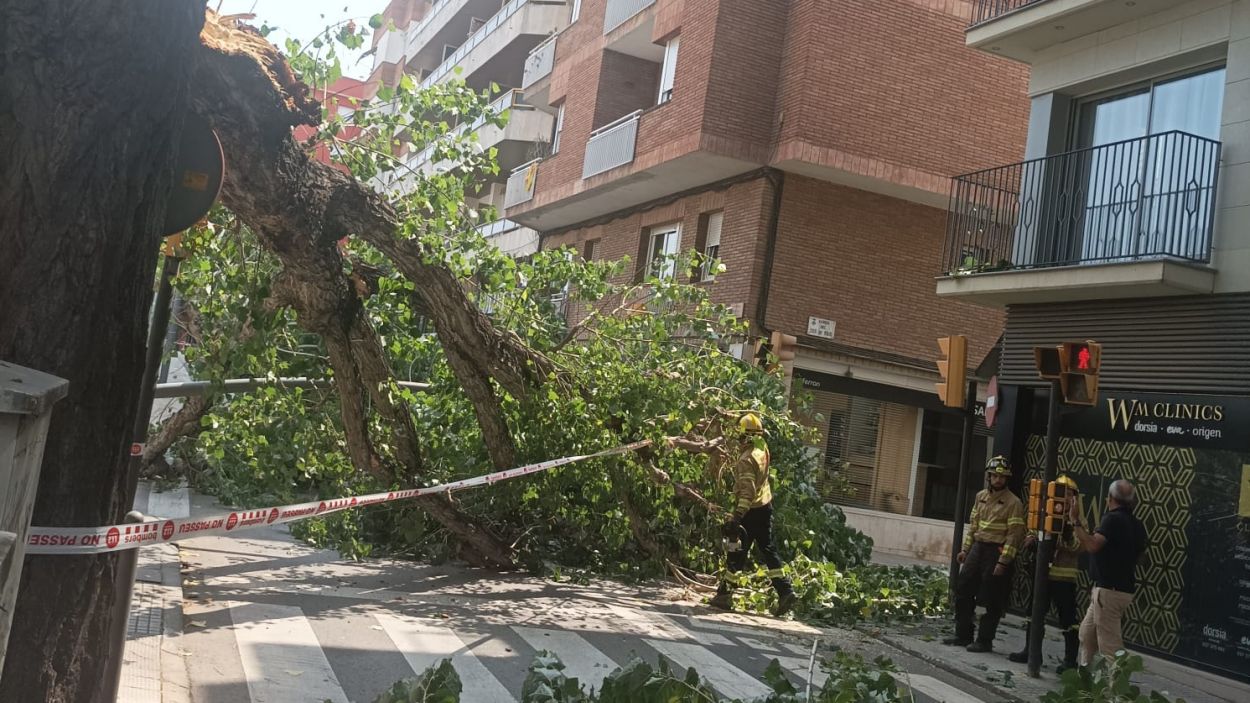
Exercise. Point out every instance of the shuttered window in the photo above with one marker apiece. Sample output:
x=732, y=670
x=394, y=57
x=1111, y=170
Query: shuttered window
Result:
x=869, y=443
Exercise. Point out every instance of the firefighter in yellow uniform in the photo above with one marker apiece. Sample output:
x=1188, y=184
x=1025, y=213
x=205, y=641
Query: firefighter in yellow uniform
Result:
x=752, y=519
x=988, y=554
x=1061, y=589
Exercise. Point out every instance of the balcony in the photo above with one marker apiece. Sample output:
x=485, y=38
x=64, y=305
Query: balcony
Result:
x=514, y=142
x=611, y=145
x=521, y=184
x=510, y=237
x=1128, y=219
x=539, y=63
x=1018, y=29
x=618, y=11
x=503, y=41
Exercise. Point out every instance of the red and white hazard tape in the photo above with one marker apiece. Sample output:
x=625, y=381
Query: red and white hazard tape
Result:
x=111, y=538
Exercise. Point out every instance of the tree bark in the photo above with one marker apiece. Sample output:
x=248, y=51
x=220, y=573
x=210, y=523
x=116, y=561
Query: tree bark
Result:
x=184, y=423
x=93, y=95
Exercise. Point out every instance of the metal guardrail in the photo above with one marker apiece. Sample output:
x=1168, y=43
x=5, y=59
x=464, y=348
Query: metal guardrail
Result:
x=611, y=145
x=1138, y=199
x=540, y=61
x=620, y=10
x=521, y=184
x=986, y=10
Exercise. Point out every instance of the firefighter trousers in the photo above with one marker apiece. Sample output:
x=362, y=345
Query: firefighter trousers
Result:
x=758, y=525
x=977, y=584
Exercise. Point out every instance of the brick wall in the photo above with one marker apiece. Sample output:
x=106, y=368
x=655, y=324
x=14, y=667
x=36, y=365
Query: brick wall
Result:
x=868, y=262
x=635, y=83
x=746, y=207
x=864, y=260
x=892, y=80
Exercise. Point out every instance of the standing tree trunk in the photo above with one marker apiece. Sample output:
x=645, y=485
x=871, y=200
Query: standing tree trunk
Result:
x=93, y=95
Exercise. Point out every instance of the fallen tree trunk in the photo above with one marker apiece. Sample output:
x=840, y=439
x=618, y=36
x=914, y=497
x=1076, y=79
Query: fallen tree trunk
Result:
x=300, y=209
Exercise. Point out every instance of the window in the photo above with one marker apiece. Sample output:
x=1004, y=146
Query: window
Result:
x=590, y=249
x=555, y=134
x=448, y=50
x=662, y=244
x=669, y=71
x=577, y=11
x=1137, y=192
x=711, y=244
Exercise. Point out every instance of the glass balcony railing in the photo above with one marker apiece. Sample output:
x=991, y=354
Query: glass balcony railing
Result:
x=1140, y=199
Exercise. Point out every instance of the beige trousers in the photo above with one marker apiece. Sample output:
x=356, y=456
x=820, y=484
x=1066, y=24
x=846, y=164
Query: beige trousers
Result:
x=1100, y=630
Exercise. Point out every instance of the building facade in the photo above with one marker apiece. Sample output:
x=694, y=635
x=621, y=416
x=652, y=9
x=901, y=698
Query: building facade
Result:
x=1128, y=223
x=808, y=145
x=485, y=43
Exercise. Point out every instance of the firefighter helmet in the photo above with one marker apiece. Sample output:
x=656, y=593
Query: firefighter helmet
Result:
x=750, y=423
x=1065, y=480
x=998, y=466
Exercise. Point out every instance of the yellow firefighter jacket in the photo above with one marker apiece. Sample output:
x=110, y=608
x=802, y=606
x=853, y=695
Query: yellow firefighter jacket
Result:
x=751, y=481
x=1063, y=567
x=997, y=518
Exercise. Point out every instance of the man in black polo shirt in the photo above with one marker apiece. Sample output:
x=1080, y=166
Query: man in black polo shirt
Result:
x=1115, y=546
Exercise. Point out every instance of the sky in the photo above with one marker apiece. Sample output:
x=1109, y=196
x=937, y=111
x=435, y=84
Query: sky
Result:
x=305, y=19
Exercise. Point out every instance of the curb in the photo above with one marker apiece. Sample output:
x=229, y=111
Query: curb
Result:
x=939, y=663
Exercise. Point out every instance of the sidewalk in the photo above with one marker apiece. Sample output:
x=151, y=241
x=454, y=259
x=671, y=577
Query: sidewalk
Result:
x=153, y=667
x=1011, y=680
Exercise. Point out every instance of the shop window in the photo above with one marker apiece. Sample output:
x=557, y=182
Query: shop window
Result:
x=868, y=444
x=937, y=472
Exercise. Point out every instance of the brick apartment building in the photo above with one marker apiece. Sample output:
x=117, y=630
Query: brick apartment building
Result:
x=808, y=144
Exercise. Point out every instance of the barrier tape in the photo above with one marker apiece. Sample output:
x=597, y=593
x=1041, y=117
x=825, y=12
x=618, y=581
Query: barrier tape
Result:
x=113, y=538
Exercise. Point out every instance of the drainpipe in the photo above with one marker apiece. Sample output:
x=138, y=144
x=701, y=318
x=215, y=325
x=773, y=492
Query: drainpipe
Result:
x=777, y=179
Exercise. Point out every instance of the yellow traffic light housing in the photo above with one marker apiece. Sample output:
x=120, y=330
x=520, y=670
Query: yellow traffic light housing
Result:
x=1056, y=507
x=953, y=368
x=1036, y=495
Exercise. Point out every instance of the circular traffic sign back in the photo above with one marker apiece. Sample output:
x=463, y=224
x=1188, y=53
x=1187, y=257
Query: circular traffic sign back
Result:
x=198, y=173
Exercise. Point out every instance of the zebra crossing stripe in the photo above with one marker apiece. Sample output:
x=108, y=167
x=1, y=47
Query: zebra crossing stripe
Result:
x=798, y=667
x=726, y=678
x=425, y=644
x=581, y=660
x=281, y=657
x=657, y=626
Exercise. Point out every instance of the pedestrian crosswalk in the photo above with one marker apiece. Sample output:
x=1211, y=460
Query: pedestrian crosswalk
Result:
x=310, y=649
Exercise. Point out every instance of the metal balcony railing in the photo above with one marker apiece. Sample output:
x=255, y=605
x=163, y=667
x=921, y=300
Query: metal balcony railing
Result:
x=986, y=10
x=611, y=145
x=521, y=184
x=1139, y=199
x=620, y=10
x=539, y=63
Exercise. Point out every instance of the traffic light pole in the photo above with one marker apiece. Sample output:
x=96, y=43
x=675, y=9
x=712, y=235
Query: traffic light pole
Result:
x=961, y=492
x=1045, y=547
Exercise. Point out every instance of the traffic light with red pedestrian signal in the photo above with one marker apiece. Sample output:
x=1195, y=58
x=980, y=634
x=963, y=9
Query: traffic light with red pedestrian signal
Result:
x=1079, y=363
x=953, y=368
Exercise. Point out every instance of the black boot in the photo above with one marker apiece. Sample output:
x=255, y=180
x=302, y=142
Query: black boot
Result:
x=1022, y=657
x=723, y=601
x=1071, y=644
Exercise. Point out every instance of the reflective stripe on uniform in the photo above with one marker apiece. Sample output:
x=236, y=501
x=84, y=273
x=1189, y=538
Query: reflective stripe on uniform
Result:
x=1009, y=550
x=1063, y=573
x=1015, y=521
